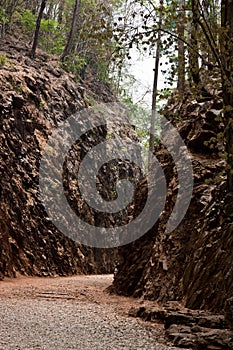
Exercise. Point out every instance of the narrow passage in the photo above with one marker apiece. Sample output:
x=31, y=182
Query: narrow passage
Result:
x=65, y=313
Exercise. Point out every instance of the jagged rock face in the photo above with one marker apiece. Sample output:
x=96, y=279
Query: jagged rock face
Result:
x=5, y=251
x=193, y=263
x=35, y=97
x=189, y=329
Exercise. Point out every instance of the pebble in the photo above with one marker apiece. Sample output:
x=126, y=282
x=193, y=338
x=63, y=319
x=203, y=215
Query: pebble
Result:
x=68, y=325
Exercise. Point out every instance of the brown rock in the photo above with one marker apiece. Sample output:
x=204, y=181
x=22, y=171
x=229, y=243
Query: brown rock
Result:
x=34, y=100
x=229, y=312
x=194, y=262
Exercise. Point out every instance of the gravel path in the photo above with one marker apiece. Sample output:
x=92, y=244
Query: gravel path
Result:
x=40, y=315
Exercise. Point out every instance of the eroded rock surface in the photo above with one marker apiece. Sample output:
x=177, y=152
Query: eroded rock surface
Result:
x=189, y=329
x=192, y=264
x=36, y=96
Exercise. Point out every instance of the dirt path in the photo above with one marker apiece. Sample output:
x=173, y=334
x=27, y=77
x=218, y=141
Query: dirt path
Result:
x=71, y=313
x=77, y=288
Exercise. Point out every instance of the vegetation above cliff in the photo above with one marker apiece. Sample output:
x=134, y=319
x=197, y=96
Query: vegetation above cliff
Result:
x=59, y=57
x=195, y=37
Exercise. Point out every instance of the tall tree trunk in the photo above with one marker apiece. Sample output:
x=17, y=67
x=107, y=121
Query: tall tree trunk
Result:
x=37, y=30
x=60, y=12
x=193, y=54
x=226, y=48
x=70, y=41
x=155, y=88
x=215, y=19
x=49, y=14
x=10, y=7
x=181, y=52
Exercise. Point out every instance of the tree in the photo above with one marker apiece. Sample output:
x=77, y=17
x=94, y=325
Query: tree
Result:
x=181, y=52
x=222, y=52
x=155, y=87
x=226, y=61
x=193, y=51
x=60, y=12
x=37, y=30
x=73, y=29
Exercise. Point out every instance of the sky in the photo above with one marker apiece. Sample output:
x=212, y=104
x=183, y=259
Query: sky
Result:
x=142, y=69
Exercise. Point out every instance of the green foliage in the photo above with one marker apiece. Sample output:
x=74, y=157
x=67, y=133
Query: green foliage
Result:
x=48, y=26
x=28, y=20
x=51, y=36
x=3, y=16
x=75, y=64
x=140, y=117
x=16, y=86
x=216, y=179
x=213, y=142
x=101, y=67
x=42, y=105
x=3, y=60
x=164, y=94
x=93, y=43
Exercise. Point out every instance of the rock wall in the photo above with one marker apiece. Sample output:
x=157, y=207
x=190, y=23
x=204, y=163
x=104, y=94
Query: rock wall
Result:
x=193, y=264
x=36, y=95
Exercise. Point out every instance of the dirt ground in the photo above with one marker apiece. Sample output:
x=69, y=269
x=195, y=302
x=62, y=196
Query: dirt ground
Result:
x=79, y=289
x=82, y=288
